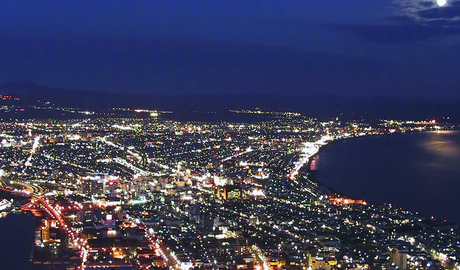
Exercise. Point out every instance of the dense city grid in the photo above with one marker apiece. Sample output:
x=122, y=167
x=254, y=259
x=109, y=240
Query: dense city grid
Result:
x=149, y=193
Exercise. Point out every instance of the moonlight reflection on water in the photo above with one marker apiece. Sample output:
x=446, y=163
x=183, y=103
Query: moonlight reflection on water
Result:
x=416, y=171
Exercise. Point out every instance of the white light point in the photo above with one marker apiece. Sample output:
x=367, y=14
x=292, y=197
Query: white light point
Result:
x=441, y=3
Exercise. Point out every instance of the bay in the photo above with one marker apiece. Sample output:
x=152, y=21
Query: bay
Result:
x=416, y=171
x=16, y=241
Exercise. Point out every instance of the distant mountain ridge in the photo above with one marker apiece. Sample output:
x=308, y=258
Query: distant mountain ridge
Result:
x=30, y=92
x=319, y=106
x=28, y=89
x=19, y=85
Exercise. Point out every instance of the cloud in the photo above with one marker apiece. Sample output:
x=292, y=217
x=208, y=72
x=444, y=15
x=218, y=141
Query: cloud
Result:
x=398, y=30
x=428, y=12
x=411, y=21
x=450, y=13
x=396, y=33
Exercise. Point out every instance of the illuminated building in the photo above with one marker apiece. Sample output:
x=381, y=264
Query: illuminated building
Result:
x=46, y=234
x=91, y=186
x=229, y=192
x=399, y=257
x=320, y=263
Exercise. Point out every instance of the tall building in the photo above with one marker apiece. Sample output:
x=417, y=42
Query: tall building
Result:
x=229, y=192
x=399, y=257
x=92, y=186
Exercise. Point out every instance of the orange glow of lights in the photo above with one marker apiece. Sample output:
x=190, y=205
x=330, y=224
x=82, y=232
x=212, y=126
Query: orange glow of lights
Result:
x=346, y=201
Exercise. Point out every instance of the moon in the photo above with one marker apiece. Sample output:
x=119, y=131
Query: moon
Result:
x=441, y=3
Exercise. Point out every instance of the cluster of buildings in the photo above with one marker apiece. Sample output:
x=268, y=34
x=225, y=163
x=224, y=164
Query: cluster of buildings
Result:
x=147, y=193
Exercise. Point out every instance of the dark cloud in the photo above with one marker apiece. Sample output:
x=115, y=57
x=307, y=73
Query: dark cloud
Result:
x=449, y=12
x=404, y=33
x=427, y=4
x=400, y=29
x=427, y=12
x=173, y=66
x=413, y=21
x=401, y=19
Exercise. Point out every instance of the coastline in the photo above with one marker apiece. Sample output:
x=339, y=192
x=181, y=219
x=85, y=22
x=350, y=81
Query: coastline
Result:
x=366, y=136
x=334, y=190
x=17, y=246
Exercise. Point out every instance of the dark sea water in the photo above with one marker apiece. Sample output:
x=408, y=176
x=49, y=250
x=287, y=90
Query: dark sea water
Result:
x=415, y=171
x=16, y=240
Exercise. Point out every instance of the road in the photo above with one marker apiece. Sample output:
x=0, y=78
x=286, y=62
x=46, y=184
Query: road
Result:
x=74, y=240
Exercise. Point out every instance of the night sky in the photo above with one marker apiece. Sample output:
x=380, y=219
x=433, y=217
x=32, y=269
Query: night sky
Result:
x=407, y=48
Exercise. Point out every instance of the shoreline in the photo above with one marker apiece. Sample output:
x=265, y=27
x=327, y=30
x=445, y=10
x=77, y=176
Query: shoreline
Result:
x=312, y=175
x=368, y=136
x=23, y=228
